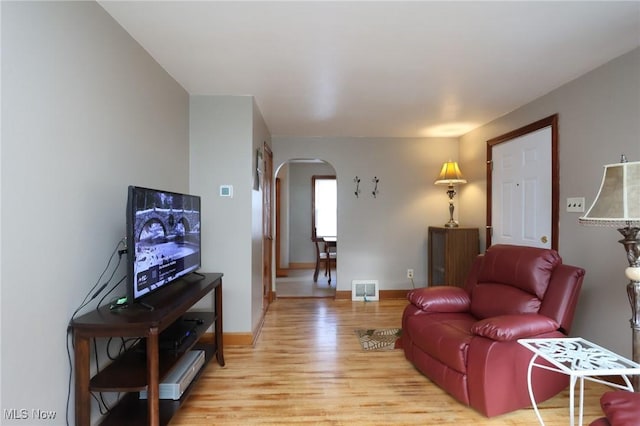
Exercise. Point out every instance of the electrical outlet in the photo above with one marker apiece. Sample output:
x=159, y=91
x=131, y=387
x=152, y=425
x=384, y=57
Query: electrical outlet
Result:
x=410, y=274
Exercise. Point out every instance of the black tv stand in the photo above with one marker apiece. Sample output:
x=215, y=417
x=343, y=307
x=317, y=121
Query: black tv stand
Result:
x=144, y=365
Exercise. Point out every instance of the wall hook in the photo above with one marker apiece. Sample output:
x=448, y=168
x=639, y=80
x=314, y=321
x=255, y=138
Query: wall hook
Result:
x=375, y=181
x=357, y=181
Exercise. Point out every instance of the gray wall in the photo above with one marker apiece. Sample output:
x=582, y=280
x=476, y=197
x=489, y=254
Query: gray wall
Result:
x=221, y=141
x=599, y=118
x=226, y=131
x=85, y=112
x=380, y=238
x=282, y=173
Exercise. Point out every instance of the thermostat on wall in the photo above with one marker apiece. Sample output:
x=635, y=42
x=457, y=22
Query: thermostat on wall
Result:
x=226, y=191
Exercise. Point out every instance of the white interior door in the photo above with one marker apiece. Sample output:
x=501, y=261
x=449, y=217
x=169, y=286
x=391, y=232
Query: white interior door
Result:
x=521, y=194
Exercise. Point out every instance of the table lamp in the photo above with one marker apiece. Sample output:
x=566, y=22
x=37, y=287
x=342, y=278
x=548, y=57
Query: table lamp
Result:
x=618, y=205
x=450, y=175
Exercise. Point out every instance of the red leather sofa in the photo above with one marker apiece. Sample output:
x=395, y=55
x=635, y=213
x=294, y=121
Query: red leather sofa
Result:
x=465, y=339
x=621, y=408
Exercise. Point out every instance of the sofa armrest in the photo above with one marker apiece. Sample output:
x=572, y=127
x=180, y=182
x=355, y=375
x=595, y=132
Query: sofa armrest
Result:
x=622, y=408
x=512, y=327
x=440, y=299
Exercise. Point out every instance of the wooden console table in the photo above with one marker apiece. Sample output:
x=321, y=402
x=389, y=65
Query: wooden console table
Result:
x=451, y=252
x=143, y=366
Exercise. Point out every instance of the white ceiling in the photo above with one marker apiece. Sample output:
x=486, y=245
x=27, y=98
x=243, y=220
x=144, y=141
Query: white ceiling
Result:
x=379, y=69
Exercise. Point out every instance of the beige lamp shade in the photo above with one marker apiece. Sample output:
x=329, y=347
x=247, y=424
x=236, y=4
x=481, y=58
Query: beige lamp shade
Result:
x=450, y=174
x=618, y=200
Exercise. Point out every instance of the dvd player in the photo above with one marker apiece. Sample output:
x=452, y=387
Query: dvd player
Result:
x=177, y=333
x=180, y=376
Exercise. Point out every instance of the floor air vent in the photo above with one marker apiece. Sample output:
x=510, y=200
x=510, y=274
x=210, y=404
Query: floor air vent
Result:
x=364, y=290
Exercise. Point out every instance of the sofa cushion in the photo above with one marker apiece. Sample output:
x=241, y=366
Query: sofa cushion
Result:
x=526, y=268
x=490, y=300
x=444, y=336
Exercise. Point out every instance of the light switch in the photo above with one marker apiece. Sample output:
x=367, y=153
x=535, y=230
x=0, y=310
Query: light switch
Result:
x=226, y=191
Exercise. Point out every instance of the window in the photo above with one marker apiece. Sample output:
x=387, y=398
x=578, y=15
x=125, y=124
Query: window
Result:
x=324, y=199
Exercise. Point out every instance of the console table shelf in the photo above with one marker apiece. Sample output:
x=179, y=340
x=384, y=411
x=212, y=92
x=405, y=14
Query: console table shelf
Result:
x=145, y=364
x=132, y=411
x=128, y=372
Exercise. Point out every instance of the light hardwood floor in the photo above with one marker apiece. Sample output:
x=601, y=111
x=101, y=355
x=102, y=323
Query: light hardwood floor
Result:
x=307, y=367
x=299, y=284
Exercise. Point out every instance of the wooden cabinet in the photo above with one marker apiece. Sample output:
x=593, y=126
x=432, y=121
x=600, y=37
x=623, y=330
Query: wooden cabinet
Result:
x=451, y=254
x=143, y=366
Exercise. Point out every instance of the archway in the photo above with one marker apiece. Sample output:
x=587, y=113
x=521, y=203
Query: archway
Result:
x=295, y=251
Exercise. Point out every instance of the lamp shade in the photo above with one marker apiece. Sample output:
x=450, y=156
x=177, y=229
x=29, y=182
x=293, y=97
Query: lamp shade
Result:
x=618, y=200
x=450, y=174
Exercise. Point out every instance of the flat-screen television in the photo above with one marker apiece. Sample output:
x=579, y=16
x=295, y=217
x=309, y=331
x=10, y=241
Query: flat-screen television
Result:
x=163, y=239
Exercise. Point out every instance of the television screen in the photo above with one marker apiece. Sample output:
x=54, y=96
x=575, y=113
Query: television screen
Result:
x=163, y=239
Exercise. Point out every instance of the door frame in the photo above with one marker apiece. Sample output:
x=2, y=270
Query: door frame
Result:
x=267, y=227
x=280, y=272
x=551, y=121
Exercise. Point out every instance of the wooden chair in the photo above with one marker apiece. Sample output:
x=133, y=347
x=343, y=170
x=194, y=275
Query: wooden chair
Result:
x=324, y=257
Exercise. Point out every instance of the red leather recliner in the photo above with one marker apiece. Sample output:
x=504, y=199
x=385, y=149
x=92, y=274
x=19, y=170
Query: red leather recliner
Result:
x=621, y=408
x=465, y=339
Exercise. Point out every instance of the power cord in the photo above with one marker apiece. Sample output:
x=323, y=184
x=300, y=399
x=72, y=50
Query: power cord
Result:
x=102, y=404
x=70, y=376
x=86, y=299
x=110, y=291
x=93, y=293
x=123, y=346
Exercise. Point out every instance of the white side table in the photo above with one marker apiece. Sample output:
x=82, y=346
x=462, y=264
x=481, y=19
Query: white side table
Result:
x=579, y=359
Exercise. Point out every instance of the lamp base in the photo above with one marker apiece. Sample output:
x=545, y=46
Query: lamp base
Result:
x=633, y=291
x=452, y=223
x=631, y=243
